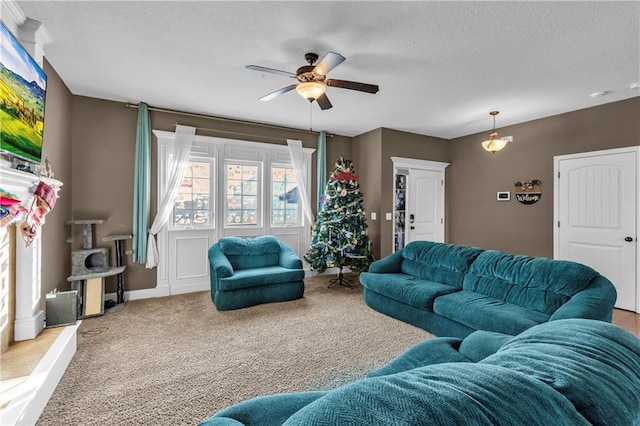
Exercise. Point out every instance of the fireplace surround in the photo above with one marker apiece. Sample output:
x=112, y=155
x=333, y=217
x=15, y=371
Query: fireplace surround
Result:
x=29, y=317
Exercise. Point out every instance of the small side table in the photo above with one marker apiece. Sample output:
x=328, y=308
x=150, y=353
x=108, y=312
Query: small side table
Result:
x=118, y=241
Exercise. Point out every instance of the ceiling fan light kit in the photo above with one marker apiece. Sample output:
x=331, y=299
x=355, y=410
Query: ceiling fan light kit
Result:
x=494, y=143
x=311, y=90
x=313, y=80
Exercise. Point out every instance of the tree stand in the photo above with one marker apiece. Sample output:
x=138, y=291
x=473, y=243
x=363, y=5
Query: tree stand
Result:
x=341, y=280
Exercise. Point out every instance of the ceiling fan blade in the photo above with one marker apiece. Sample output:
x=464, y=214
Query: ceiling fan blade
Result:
x=352, y=85
x=278, y=92
x=329, y=62
x=270, y=70
x=323, y=102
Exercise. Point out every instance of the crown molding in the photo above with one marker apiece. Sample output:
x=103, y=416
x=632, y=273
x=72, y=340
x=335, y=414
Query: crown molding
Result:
x=11, y=14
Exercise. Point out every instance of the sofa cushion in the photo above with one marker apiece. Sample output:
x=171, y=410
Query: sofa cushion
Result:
x=442, y=394
x=594, y=364
x=406, y=288
x=482, y=312
x=536, y=283
x=442, y=263
x=245, y=278
x=247, y=253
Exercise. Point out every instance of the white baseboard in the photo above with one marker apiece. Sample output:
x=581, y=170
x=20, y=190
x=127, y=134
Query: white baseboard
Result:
x=149, y=293
x=33, y=394
x=28, y=328
x=163, y=291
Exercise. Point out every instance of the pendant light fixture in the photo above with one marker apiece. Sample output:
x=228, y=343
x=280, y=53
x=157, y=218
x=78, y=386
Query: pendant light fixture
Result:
x=494, y=144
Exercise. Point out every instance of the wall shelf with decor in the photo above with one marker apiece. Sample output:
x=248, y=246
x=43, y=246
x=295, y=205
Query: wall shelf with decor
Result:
x=399, y=207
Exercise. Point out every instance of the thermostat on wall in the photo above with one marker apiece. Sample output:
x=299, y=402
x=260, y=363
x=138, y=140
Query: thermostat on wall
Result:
x=504, y=196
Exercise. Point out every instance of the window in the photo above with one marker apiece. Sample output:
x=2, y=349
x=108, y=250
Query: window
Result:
x=284, y=197
x=242, y=201
x=192, y=206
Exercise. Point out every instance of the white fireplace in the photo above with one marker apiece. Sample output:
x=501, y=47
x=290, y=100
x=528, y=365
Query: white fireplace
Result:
x=29, y=316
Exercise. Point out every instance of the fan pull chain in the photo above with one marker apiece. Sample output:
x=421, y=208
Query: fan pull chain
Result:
x=310, y=116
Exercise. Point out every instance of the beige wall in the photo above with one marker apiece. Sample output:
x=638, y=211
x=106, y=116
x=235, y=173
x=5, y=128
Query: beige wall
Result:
x=474, y=176
x=56, y=146
x=367, y=149
x=402, y=144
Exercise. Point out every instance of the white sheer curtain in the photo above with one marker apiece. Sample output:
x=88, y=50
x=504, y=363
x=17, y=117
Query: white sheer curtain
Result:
x=300, y=168
x=176, y=164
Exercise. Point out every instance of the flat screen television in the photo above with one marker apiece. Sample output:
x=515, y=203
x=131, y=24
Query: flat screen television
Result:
x=23, y=86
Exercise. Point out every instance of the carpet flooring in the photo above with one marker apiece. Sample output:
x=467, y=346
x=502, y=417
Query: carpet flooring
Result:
x=176, y=360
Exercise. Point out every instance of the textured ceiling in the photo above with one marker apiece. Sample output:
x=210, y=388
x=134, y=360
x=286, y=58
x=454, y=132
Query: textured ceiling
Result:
x=441, y=66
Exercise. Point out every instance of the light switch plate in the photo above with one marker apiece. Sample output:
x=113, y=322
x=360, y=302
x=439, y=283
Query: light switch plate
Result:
x=374, y=216
x=388, y=216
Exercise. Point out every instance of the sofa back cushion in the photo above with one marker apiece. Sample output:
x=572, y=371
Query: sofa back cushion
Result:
x=536, y=283
x=594, y=364
x=442, y=263
x=249, y=253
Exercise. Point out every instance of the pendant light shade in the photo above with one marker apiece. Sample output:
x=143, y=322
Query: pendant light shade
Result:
x=494, y=143
x=310, y=90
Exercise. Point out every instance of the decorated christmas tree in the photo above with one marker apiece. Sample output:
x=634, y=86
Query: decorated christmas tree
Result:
x=339, y=236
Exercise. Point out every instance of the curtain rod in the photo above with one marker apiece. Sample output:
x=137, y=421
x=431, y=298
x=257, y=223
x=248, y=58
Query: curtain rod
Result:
x=253, y=135
x=230, y=120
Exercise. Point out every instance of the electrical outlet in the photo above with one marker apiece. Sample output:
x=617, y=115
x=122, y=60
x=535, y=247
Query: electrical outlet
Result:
x=388, y=216
x=374, y=216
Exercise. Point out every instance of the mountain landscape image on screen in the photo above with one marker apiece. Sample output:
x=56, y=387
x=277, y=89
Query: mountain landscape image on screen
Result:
x=22, y=100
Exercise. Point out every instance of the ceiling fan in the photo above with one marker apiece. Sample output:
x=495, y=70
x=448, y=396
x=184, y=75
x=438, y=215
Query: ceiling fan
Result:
x=313, y=81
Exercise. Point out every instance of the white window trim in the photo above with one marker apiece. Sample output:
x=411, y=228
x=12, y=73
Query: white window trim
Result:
x=260, y=196
x=212, y=196
x=300, y=215
x=221, y=150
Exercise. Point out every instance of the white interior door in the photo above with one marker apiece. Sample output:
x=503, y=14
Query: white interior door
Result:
x=425, y=206
x=596, y=212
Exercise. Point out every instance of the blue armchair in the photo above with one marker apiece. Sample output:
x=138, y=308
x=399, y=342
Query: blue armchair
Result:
x=251, y=271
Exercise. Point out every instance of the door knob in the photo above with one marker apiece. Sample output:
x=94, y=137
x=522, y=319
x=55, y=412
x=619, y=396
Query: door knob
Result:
x=628, y=239
x=412, y=227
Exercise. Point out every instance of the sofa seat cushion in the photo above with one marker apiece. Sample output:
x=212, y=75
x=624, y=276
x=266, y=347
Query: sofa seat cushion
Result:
x=406, y=288
x=245, y=278
x=594, y=364
x=487, y=313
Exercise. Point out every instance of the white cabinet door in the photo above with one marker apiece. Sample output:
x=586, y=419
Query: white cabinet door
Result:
x=596, y=217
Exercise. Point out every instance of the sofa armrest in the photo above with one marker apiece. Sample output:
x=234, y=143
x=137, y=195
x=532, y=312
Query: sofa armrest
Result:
x=594, y=302
x=480, y=344
x=264, y=410
x=220, y=265
x=387, y=265
x=288, y=258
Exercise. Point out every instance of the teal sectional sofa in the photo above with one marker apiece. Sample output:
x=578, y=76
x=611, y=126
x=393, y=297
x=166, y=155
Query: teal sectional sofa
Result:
x=454, y=290
x=565, y=372
x=251, y=271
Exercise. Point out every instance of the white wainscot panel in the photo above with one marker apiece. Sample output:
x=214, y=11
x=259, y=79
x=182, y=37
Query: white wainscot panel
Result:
x=191, y=257
x=293, y=240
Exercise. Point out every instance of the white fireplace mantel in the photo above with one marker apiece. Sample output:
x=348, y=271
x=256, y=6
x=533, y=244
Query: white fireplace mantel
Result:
x=29, y=317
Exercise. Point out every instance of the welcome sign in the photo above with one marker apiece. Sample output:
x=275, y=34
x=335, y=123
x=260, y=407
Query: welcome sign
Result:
x=528, y=191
